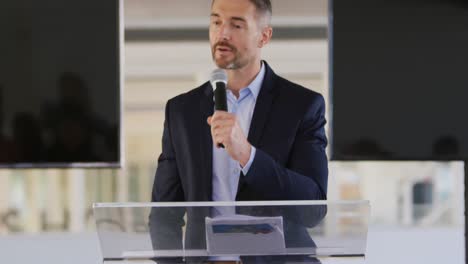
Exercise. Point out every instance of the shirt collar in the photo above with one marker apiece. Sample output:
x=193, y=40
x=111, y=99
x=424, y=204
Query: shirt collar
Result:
x=256, y=84
x=253, y=88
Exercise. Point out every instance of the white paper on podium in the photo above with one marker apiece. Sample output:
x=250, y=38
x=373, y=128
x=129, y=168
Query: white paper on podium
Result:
x=245, y=235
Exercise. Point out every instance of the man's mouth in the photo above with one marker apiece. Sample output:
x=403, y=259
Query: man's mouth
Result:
x=222, y=48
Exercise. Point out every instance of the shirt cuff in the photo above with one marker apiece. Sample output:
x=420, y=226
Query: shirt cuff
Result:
x=246, y=168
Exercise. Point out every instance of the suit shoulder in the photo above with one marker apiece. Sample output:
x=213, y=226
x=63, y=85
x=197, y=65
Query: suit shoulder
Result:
x=189, y=97
x=297, y=93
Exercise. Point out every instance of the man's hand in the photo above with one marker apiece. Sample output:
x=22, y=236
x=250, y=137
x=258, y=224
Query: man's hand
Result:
x=225, y=129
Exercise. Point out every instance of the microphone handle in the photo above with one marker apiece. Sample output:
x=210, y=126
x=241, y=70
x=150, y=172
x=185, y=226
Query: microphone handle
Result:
x=220, y=100
x=220, y=97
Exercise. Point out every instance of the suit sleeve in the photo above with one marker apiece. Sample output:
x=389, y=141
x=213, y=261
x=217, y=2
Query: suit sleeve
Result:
x=305, y=175
x=167, y=186
x=166, y=223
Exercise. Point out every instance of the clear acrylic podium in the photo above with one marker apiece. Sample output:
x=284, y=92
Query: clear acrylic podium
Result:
x=250, y=232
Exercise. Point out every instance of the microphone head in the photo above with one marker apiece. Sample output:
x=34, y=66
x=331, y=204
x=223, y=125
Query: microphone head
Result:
x=218, y=75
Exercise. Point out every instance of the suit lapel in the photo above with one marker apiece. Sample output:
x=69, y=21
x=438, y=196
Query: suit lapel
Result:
x=262, y=107
x=260, y=116
x=206, y=155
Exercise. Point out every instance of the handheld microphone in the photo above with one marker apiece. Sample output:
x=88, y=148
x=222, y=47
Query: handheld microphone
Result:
x=219, y=82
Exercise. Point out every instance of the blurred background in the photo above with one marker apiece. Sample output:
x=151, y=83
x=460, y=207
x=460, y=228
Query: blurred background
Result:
x=167, y=53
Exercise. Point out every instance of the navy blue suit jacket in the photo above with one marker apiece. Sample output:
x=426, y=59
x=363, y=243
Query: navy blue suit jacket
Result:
x=287, y=129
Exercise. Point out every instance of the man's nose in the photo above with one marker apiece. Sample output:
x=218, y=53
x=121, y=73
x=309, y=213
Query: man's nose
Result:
x=224, y=33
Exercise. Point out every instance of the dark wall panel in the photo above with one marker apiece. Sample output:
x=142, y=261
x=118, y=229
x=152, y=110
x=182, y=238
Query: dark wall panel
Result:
x=59, y=82
x=399, y=80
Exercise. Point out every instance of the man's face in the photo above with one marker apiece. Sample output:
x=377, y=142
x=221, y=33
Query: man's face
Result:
x=235, y=35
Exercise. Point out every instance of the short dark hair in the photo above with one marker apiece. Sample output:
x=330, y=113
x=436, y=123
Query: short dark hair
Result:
x=263, y=7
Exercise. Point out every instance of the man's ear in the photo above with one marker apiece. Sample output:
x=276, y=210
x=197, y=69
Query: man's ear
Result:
x=267, y=33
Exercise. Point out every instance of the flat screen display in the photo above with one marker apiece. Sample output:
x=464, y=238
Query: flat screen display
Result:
x=60, y=83
x=399, y=80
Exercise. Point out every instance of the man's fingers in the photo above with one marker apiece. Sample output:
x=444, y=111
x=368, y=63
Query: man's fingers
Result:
x=218, y=139
x=219, y=120
x=222, y=135
x=221, y=115
x=226, y=122
x=222, y=124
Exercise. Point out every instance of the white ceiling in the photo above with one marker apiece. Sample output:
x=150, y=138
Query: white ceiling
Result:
x=195, y=13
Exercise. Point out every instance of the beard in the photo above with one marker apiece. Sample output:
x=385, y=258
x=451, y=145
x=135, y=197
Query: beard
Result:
x=223, y=62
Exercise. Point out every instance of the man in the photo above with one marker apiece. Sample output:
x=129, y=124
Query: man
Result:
x=273, y=135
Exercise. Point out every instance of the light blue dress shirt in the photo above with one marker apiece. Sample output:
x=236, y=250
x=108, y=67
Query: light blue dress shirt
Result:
x=226, y=171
